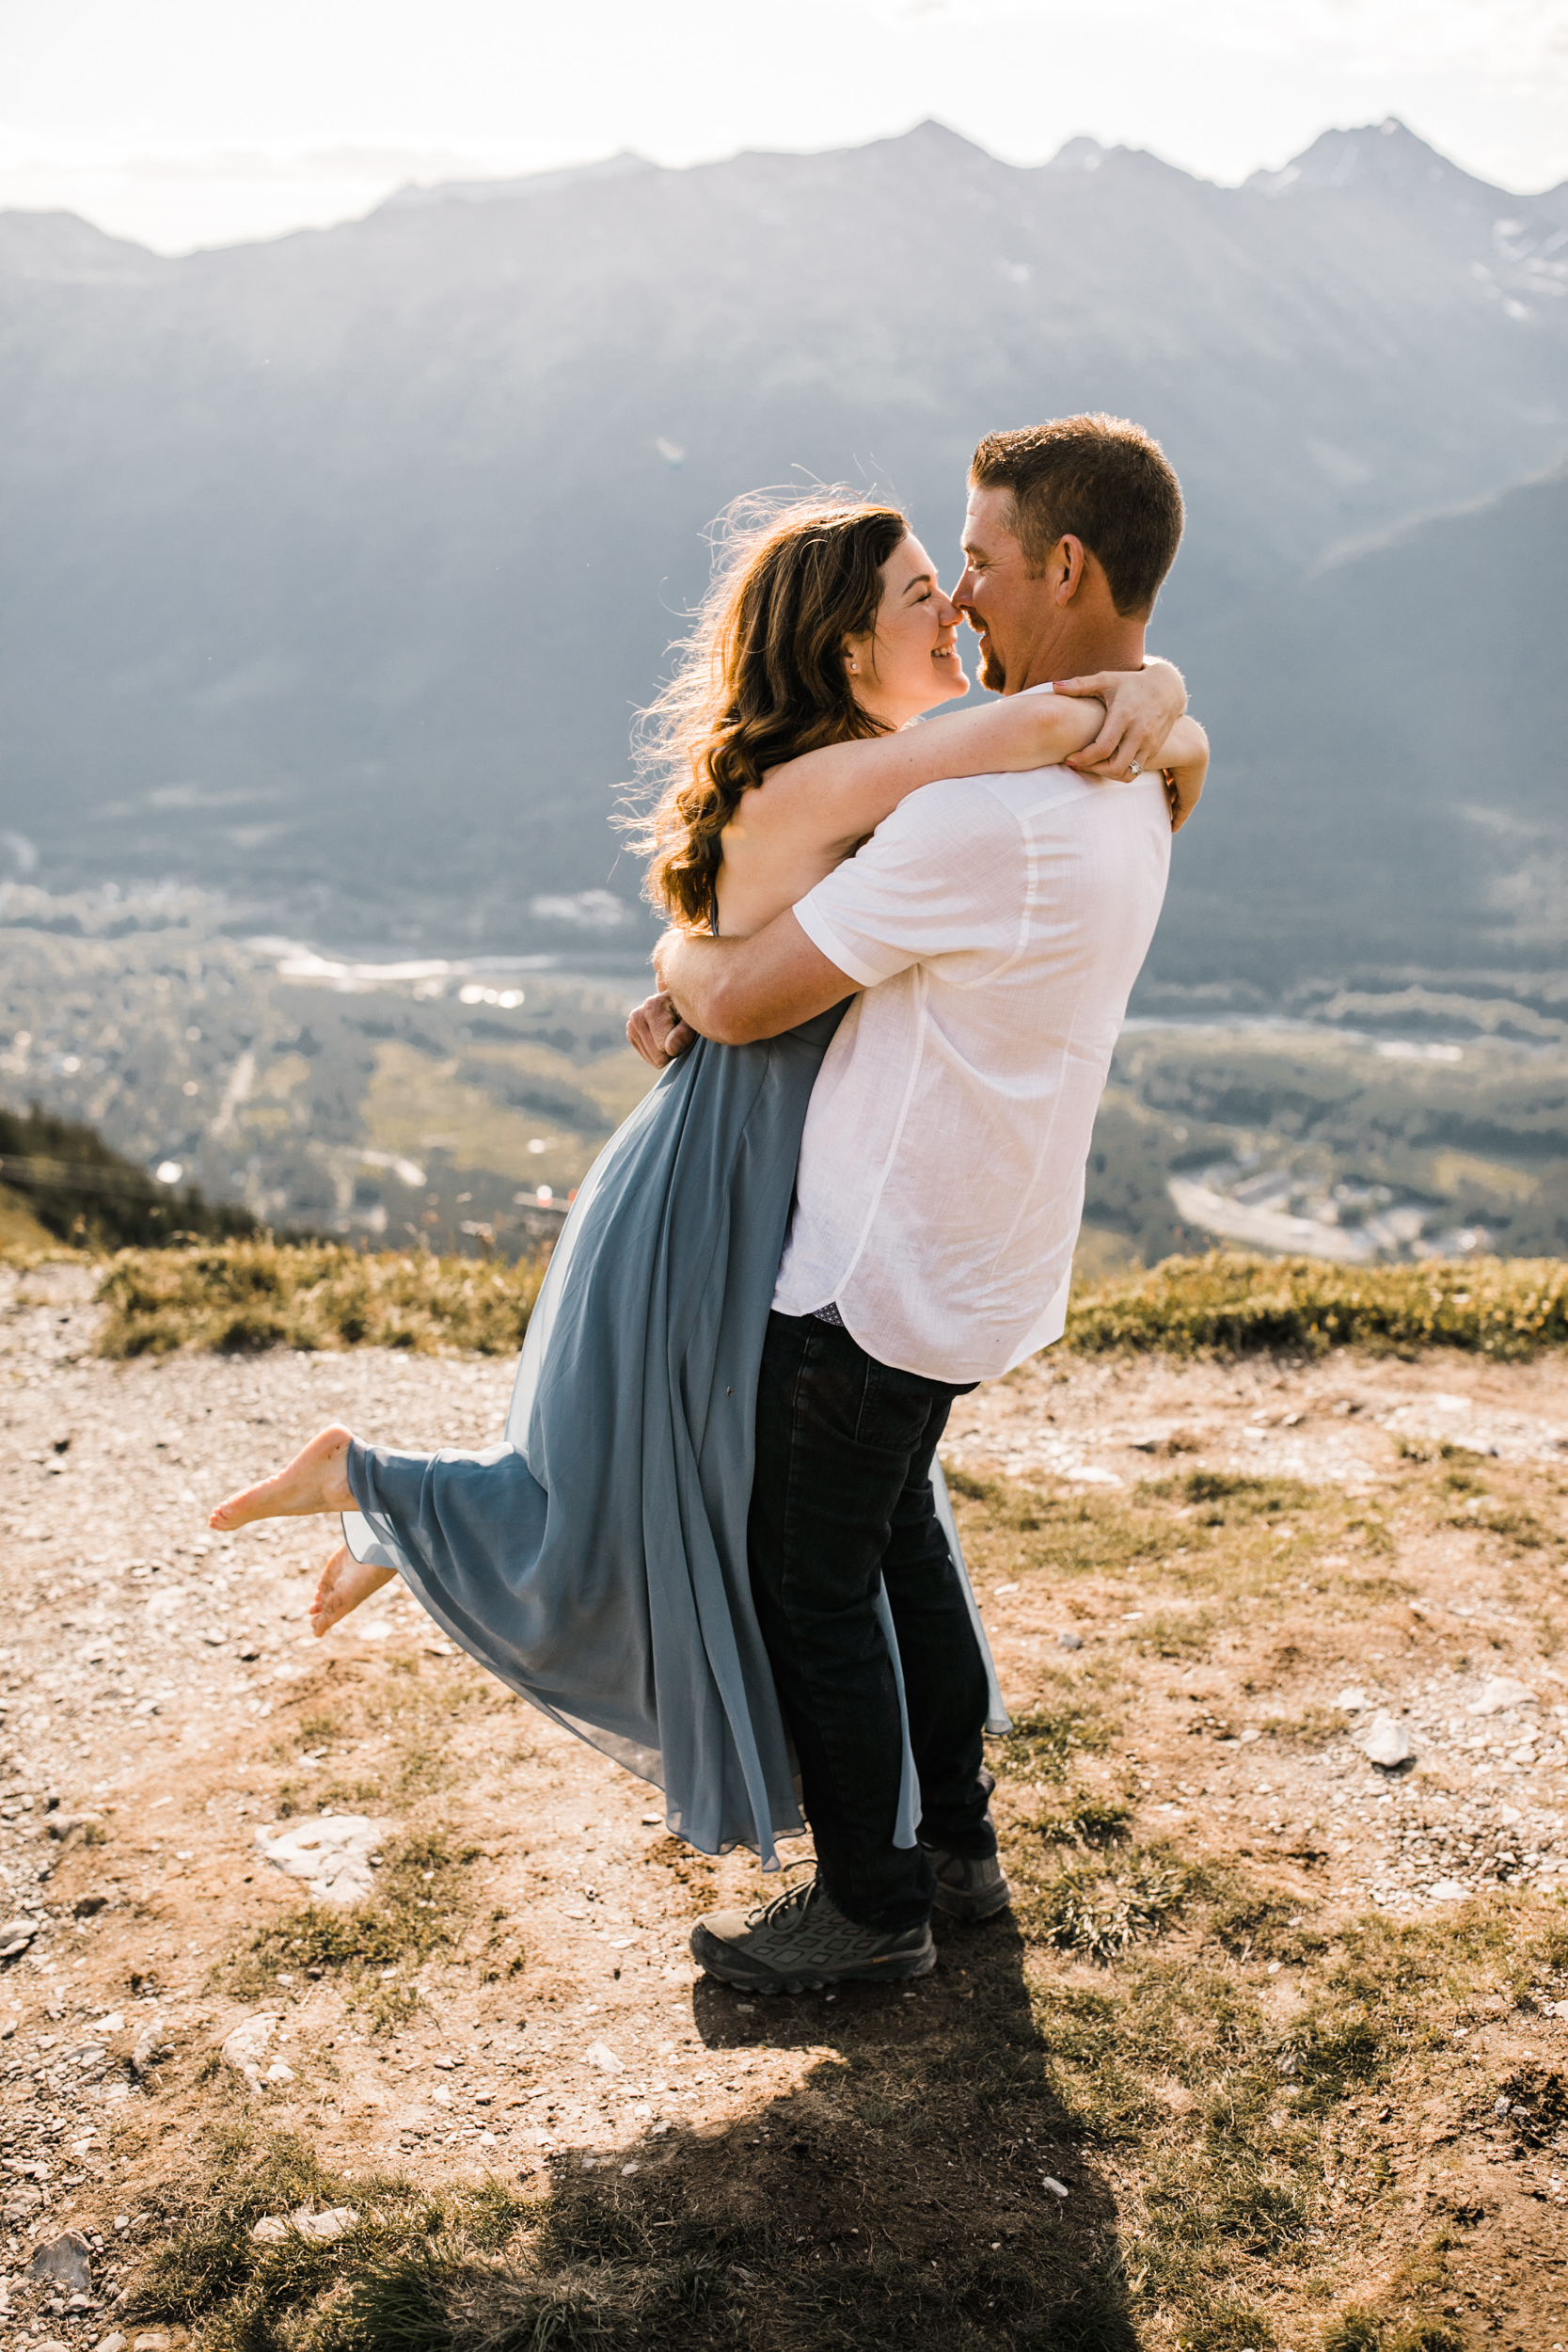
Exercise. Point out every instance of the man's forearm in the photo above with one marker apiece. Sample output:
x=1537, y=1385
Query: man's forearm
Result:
x=692, y=969
x=736, y=991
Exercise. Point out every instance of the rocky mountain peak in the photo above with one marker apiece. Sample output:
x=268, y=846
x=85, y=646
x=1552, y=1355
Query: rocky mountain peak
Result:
x=1080, y=154
x=619, y=167
x=1386, y=154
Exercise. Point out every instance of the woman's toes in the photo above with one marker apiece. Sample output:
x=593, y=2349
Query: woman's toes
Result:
x=345, y=1581
x=314, y=1481
x=328, y=1603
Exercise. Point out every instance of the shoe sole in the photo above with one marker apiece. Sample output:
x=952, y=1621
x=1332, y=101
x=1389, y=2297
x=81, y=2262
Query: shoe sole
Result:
x=731, y=1969
x=972, y=1907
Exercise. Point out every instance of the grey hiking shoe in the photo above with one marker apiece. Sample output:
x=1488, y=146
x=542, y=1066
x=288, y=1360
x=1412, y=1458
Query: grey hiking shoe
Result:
x=801, y=1941
x=968, y=1889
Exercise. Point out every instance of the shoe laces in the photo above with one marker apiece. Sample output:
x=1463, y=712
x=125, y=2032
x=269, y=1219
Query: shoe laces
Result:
x=788, y=1908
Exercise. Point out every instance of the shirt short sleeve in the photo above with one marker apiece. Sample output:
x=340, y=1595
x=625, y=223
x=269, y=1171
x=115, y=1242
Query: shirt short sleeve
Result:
x=945, y=875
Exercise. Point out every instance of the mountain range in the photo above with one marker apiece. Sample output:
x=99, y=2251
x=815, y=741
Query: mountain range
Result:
x=337, y=565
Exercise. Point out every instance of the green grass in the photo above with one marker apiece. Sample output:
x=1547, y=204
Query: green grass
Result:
x=418, y=1908
x=1036, y=1750
x=253, y=1294
x=1193, y=1550
x=1231, y=1499
x=1087, y=1821
x=1099, y=1908
x=1358, y=2329
x=482, y=2268
x=244, y=1296
x=1229, y=1303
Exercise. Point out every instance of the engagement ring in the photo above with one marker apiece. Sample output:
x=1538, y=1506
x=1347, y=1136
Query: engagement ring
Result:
x=1136, y=769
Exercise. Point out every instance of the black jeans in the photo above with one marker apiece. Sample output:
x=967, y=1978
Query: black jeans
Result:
x=842, y=1499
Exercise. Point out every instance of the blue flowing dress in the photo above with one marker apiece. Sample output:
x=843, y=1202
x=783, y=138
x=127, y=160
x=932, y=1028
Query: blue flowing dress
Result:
x=595, y=1560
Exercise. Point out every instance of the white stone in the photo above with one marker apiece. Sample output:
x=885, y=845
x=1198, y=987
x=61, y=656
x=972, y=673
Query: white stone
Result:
x=1449, y=1891
x=1387, y=1742
x=1499, y=1692
x=332, y=1853
x=599, y=2054
x=245, y=2048
x=149, y=2047
x=1353, y=1701
x=330, y=2223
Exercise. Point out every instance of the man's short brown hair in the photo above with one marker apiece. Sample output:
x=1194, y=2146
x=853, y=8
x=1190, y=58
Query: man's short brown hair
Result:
x=1104, y=480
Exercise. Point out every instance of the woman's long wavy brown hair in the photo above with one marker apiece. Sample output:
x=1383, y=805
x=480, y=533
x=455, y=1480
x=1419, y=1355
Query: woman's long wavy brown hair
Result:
x=761, y=677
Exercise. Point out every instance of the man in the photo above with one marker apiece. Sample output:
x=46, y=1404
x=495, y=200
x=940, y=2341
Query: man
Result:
x=993, y=926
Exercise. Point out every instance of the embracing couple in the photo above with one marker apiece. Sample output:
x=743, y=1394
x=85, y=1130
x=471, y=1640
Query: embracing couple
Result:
x=714, y=1540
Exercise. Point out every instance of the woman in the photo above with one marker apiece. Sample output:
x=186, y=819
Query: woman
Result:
x=596, y=1559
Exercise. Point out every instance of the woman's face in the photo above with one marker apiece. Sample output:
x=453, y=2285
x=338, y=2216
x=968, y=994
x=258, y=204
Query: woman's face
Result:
x=911, y=662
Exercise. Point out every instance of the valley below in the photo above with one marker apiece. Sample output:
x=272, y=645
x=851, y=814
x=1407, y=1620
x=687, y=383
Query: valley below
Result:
x=457, y=1100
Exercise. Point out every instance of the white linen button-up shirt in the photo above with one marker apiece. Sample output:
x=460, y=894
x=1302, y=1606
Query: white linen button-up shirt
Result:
x=996, y=925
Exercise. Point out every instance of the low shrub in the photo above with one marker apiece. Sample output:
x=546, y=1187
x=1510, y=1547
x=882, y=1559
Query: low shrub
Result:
x=243, y=1295
x=1227, y=1303
x=240, y=1296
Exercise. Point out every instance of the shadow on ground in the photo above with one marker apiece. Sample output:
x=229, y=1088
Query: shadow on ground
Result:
x=897, y=2196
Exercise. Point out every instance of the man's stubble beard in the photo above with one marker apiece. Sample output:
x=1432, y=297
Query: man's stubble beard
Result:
x=993, y=675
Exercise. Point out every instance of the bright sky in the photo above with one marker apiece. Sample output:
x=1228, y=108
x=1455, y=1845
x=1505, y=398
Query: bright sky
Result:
x=182, y=123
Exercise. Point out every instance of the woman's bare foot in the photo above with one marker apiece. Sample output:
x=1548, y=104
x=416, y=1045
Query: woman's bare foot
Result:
x=314, y=1481
x=345, y=1581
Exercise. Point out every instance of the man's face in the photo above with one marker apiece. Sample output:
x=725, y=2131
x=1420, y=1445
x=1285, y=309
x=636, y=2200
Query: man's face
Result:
x=996, y=595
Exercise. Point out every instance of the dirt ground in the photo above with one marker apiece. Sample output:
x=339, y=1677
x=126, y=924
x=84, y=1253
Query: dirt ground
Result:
x=1203, y=1584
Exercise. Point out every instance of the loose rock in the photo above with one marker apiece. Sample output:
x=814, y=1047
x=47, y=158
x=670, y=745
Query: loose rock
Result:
x=330, y=2223
x=1069, y=1641
x=149, y=2050
x=1497, y=1693
x=65, y=2260
x=245, y=2048
x=1387, y=1743
x=334, y=1853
